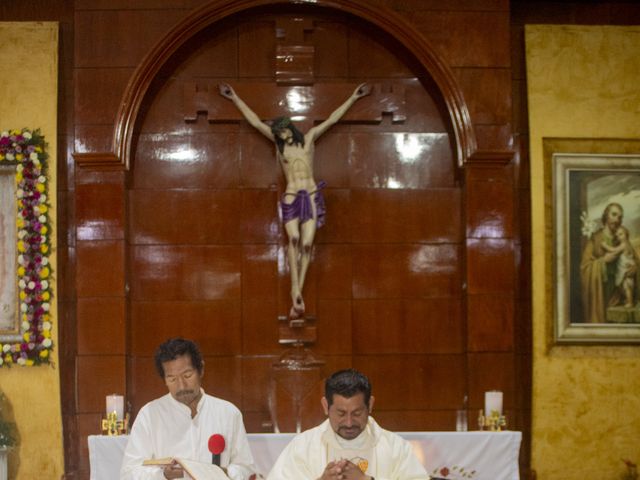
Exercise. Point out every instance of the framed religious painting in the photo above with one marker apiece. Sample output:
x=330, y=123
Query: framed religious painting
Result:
x=596, y=235
x=9, y=326
x=25, y=248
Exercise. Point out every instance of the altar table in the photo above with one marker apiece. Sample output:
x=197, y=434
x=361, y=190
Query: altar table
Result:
x=492, y=455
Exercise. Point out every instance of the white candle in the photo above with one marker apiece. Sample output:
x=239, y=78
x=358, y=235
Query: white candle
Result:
x=492, y=402
x=115, y=403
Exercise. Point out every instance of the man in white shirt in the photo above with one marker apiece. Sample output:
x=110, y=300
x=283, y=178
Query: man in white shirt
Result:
x=349, y=445
x=180, y=424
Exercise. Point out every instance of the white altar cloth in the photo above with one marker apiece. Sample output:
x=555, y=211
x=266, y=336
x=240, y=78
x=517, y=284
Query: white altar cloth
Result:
x=492, y=455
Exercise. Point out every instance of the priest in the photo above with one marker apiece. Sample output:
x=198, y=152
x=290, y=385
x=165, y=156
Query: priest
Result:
x=349, y=445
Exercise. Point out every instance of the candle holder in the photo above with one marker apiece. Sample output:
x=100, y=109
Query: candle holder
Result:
x=111, y=426
x=494, y=422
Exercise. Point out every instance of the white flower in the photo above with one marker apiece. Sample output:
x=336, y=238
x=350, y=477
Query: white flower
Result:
x=45, y=261
x=45, y=284
x=26, y=134
x=6, y=348
x=19, y=167
x=20, y=257
x=1, y=361
x=43, y=198
x=44, y=238
x=21, y=361
x=21, y=235
x=46, y=306
x=36, y=162
x=42, y=219
x=5, y=133
x=23, y=307
x=46, y=325
x=34, y=156
x=25, y=326
x=10, y=156
x=20, y=193
x=42, y=179
x=31, y=285
x=46, y=342
x=22, y=284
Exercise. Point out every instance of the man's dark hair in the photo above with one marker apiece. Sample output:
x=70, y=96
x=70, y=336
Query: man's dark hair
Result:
x=605, y=214
x=283, y=123
x=176, y=347
x=347, y=383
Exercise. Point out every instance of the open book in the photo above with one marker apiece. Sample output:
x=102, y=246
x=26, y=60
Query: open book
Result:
x=195, y=470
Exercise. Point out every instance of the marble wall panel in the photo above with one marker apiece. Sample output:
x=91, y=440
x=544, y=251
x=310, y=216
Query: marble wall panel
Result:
x=406, y=270
x=215, y=325
x=101, y=326
x=414, y=382
x=185, y=272
x=410, y=326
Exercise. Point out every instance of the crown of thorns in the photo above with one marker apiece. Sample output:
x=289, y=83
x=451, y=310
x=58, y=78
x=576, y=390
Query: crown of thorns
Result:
x=281, y=123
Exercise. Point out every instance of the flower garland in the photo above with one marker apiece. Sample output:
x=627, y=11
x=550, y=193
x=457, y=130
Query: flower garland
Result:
x=25, y=150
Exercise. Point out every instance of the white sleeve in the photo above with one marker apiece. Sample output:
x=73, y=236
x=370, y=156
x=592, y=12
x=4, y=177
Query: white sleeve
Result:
x=241, y=466
x=293, y=463
x=139, y=449
x=407, y=466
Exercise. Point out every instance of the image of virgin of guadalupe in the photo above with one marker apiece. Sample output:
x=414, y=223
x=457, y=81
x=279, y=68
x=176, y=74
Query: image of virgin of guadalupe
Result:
x=8, y=283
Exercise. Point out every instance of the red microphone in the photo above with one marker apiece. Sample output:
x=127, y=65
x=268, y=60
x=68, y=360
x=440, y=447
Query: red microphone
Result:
x=216, y=447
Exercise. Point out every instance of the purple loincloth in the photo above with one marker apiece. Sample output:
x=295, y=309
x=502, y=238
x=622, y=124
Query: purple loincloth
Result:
x=301, y=208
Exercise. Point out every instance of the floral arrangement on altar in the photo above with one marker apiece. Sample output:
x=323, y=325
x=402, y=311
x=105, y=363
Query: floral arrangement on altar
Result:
x=7, y=429
x=26, y=150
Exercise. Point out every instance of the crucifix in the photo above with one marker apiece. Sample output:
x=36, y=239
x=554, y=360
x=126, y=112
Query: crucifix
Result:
x=302, y=204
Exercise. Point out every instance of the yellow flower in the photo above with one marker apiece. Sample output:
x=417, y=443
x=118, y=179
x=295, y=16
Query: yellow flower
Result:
x=8, y=358
x=21, y=247
x=46, y=333
x=40, y=187
x=26, y=336
x=1, y=156
x=20, y=222
x=19, y=156
x=46, y=317
x=43, y=208
x=44, y=248
x=29, y=363
x=23, y=295
x=44, y=230
x=16, y=132
x=44, y=353
x=21, y=271
x=24, y=317
x=38, y=149
x=46, y=296
x=18, y=177
x=44, y=273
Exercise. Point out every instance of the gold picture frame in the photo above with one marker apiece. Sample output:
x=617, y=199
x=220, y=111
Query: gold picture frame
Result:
x=9, y=324
x=596, y=267
x=26, y=241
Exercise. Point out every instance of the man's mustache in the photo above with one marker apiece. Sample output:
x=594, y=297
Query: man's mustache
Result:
x=184, y=393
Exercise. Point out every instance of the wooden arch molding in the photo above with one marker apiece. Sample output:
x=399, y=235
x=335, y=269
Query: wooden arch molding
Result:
x=216, y=10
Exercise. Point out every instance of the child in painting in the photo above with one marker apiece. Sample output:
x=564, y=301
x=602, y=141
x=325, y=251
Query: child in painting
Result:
x=625, y=263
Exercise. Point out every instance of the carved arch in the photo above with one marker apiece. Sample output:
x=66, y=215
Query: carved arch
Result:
x=216, y=10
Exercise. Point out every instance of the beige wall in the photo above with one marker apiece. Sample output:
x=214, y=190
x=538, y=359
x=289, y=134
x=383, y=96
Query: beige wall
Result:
x=28, y=86
x=583, y=82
